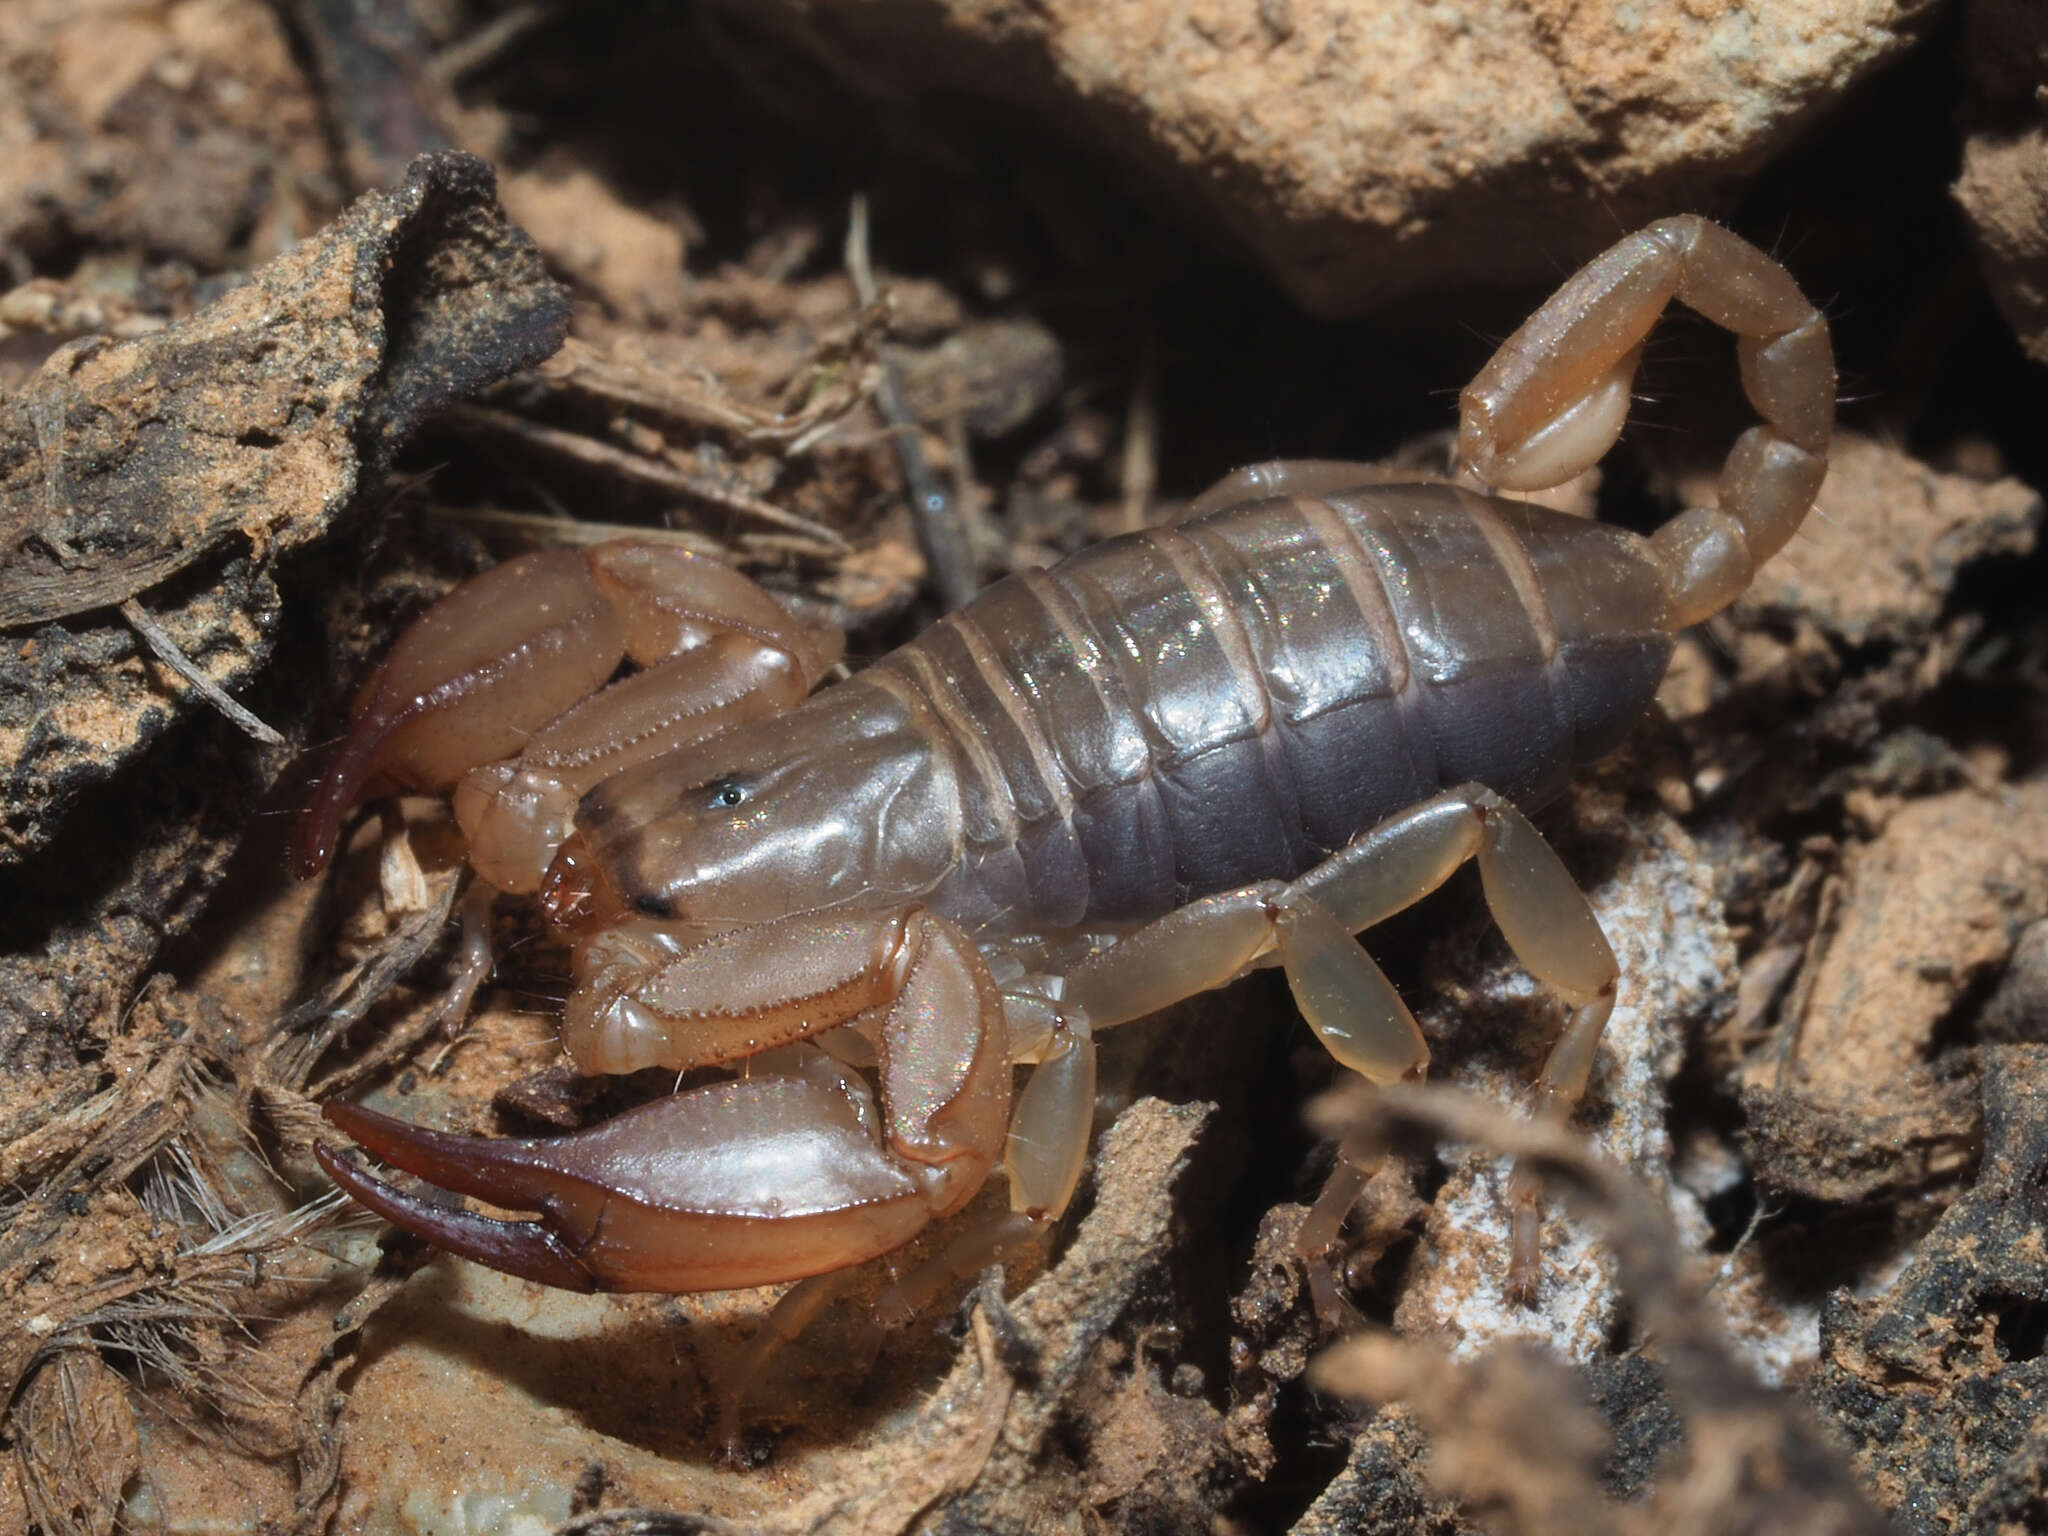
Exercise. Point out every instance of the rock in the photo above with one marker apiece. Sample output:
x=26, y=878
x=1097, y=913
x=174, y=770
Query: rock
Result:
x=630, y=258
x=1346, y=145
x=2003, y=187
x=1930, y=910
x=177, y=468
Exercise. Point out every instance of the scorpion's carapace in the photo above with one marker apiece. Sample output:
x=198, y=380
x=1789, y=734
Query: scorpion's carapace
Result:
x=1254, y=733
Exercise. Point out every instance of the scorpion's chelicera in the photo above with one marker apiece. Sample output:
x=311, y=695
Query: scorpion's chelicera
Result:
x=1095, y=790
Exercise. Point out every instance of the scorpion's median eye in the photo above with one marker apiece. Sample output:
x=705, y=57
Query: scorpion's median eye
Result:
x=724, y=794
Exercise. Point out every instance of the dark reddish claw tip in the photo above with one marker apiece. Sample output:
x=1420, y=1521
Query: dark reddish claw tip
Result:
x=313, y=840
x=343, y=773
x=568, y=889
x=526, y=1249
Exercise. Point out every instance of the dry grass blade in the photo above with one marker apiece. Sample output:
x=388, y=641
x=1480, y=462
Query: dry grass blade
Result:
x=179, y=1328
x=936, y=514
x=637, y=469
x=305, y=1034
x=836, y=385
x=128, y=1244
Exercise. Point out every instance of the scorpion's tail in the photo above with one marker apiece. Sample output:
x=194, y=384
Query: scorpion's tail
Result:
x=1553, y=398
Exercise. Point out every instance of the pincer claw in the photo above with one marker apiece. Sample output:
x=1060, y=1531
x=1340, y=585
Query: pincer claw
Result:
x=749, y=1182
x=531, y=1250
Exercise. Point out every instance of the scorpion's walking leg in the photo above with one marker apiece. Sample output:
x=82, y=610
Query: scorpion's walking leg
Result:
x=1043, y=1156
x=1342, y=993
x=1548, y=405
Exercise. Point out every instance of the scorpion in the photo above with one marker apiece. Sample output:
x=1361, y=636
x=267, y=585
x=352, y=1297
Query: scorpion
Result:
x=1236, y=740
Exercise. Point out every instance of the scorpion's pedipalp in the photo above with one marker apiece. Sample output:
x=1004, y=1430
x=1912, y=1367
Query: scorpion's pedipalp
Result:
x=915, y=983
x=641, y=1004
x=753, y=1182
x=673, y=601
x=519, y=1175
x=468, y=683
x=526, y=1249
x=783, y=1174
x=510, y=666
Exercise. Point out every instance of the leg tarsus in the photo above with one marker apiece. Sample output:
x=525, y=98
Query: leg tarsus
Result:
x=794, y=1311
x=1525, y=1224
x=473, y=964
x=983, y=1244
x=1344, y=995
x=1316, y=1244
x=1559, y=1088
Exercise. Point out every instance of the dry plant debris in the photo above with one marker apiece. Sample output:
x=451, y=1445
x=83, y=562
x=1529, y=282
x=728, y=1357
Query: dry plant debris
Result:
x=184, y=131
x=1940, y=1383
x=2003, y=188
x=1511, y=1436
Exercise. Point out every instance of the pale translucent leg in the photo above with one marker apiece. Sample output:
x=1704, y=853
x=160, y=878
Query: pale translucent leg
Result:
x=1321, y=1231
x=1044, y=1155
x=794, y=1311
x=473, y=960
x=1040, y=1187
x=1342, y=993
x=404, y=887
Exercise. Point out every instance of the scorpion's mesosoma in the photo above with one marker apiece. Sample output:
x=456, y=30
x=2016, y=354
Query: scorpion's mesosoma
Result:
x=1095, y=790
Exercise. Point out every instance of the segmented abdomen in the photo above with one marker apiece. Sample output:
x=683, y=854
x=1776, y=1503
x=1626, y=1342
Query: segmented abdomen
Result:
x=1188, y=709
